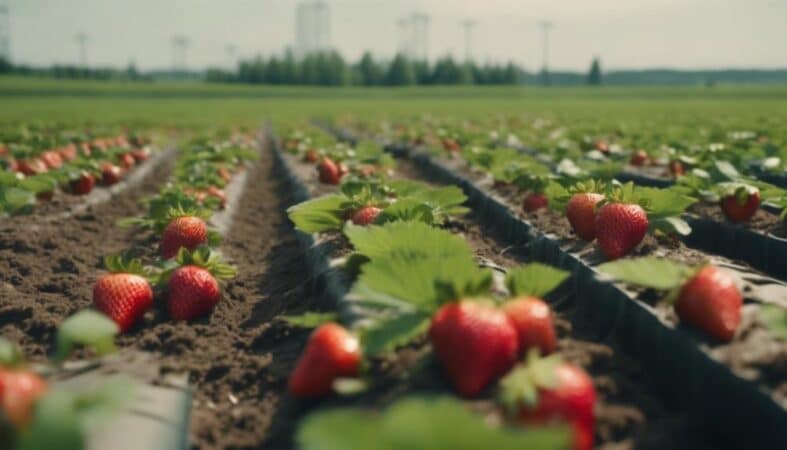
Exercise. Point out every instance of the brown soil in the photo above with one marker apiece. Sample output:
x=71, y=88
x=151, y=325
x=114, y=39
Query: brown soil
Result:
x=47, y=269
x=236, y=359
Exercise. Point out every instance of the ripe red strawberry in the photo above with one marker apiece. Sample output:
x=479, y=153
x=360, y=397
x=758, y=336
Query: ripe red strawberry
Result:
x=602, y=146
x=110, y=174
x=32, y=166
x=140, y=154
x=711, y=302
x=311, y=155
x=187, y=231
x=225, y=174
x=123, y=297
x=475, y=343
x=329, y=172
x=581, y=214
x=83, y=184
x=535, y=201
x=366, y=170
x=192, y=292
x=565, y=393
x=52, y=159
x=126, y=160
x=619, y=228
x=450, y=145
x=365, y=215
x=19, y=390
x=214, y=191
x=68, y=153
x=740, y=206
x=638, y=158
x=331, y=353
x=532, y=320
x=676, y=168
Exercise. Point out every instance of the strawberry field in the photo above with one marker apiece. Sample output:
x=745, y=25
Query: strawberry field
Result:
x=338, y=273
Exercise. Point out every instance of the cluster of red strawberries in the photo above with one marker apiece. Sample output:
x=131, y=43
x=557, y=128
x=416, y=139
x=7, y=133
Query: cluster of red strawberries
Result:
x=192, y=287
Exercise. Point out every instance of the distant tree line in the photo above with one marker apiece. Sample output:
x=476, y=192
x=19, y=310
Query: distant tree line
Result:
x=130, y=73
x=330, y=69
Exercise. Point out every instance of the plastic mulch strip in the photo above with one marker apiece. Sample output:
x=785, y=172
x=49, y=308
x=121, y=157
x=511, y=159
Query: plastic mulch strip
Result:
x=330, y=282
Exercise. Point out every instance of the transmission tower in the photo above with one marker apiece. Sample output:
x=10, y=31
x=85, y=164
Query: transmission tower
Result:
x=546, y=26
x=468, y=26
x=81, y=40
x=5, y=33
x=231, y=51
x=180, y=44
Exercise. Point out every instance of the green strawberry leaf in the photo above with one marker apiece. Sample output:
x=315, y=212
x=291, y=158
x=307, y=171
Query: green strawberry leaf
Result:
x=775, y=319
x=386, y=334
x=519, y=388
x=412, y=238
x=651, y=272
x=436, y=423
x=14, y=200
x=10, y=353
x=319, y=215
x=534, y=279
x=661, y=203
x=431, y=281
x=558, y=196
x=670, y=226
x=87, y=327
x=724, y=170
x=55, y=424
x=310, y=319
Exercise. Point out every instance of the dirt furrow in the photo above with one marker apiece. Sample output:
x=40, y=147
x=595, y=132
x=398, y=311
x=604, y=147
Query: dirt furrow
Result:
x=47, y=268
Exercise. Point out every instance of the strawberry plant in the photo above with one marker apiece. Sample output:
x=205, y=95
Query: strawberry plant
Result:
x=391, y=201
x=704, y=296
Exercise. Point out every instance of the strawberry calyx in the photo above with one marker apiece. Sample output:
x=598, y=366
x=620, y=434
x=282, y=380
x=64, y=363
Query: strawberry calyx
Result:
x=519, y=388
x=203, y=257
x=124, y=263
x=740, y=191
x=589, y=186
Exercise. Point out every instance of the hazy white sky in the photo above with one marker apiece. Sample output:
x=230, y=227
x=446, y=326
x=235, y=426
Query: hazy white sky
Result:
x=624, y=33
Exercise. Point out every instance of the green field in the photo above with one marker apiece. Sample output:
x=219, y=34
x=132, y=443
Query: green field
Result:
x=199, y=104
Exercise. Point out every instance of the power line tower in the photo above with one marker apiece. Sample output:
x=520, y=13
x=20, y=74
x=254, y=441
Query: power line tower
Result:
x=312, y=27
x=414, y=36
x=180, y=44
x=231, y=51
x=81, y=40
x=5, y=33
x=546, y=26
x=468, y=26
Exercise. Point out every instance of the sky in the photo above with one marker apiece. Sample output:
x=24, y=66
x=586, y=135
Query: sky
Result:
x=625, y=34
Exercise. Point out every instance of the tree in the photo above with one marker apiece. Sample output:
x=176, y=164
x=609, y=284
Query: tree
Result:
x=400, y=72
x=371, y=73
x=594, y=76
x=273, y=71
x=446, y=72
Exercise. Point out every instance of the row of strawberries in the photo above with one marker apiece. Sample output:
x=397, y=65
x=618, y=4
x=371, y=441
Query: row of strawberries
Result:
x=477, y=340
x=82, y=165
x=188, y=271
